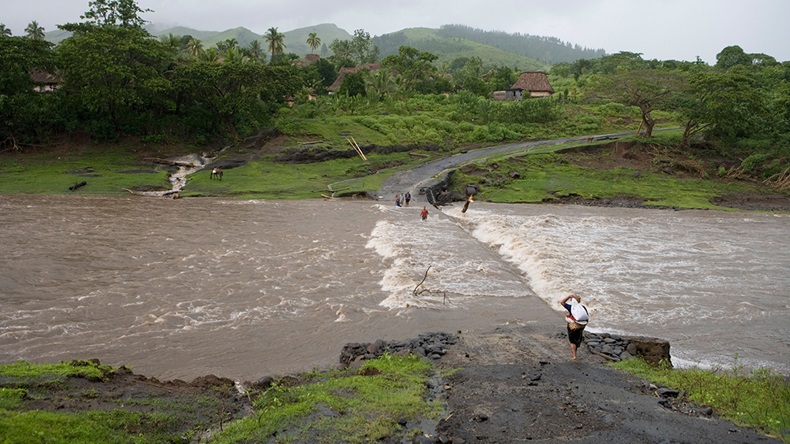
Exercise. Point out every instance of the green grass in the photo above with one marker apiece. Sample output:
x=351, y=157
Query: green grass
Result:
x=267, y=179
x=107, y=170
x=760, y=399
x=549, y=177
x=41, y=373
x=353, y=406
x=86, y=427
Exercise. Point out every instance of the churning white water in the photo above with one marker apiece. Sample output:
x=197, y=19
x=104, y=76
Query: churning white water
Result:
x=183, y=288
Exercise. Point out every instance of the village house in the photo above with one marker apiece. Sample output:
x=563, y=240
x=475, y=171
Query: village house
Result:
x=349, y=70
x=308, y=60
x=44, y=81
x=536, y=84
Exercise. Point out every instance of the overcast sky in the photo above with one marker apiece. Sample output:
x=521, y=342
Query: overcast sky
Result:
x=658, y=29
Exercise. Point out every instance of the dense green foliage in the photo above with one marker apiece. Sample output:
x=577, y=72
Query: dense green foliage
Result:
x=759, y=399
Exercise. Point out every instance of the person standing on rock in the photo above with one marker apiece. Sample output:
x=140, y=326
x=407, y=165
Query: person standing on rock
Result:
x=577, y=318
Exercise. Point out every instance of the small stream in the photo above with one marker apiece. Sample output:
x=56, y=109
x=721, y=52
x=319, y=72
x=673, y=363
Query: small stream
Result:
x=189, y=164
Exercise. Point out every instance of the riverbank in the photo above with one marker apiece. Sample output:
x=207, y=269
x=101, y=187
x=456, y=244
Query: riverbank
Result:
x=613, y=172
x=502, y=385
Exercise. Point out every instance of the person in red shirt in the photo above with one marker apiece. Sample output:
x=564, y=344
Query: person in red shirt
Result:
x=424, y=213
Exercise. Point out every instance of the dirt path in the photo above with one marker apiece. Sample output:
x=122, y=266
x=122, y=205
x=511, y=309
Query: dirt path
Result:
x=518, y=384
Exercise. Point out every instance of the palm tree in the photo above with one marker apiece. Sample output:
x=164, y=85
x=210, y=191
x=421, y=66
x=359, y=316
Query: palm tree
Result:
x=227, y=44
x=276, y=41
x=234, y=55
x=255, y=49
x=195, y=47
x=314, y=41
x=34, y=31
x=380, y=84
x=210, y=55
x=171, y=40
x=4, y=32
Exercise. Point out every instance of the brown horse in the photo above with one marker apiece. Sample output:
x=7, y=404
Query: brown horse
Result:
x=216, y=173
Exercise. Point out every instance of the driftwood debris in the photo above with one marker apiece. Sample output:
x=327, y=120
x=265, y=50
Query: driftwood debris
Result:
x=77, y=185
x=418, y=292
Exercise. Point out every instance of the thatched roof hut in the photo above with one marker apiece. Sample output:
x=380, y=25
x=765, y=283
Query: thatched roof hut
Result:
x=348, y=70
x=537, y=83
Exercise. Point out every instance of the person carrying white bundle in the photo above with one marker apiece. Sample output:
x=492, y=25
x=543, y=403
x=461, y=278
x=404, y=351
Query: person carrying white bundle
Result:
x=577, y=318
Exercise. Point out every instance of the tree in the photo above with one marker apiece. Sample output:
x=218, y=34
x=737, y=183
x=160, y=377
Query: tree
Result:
x=415, y=68
x=726, y=105
x=648, y=90
x=4, y=32
x=380, y=84
x=360, y=49
x=314, y=41
x=233, y=98
x=34, y=31
x=114, y=77
x=732, y=56
x=21, y=108
x=255, y=50
x=501, y=78
x=353, y=84
x=275, y=41
x=226, y=45
x=470, y=77
x=342, y=52
x=195, y=47
x=210, y=55
x=124, y=13
x=171, y=40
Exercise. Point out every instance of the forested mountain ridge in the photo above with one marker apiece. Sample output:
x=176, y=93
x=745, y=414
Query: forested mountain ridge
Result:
x=524, y=51
x=549, y=50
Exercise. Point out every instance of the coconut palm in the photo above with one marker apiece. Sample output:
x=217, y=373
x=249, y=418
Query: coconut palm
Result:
x=276, y=41
x=314, y=41
x=171, y=40
x=34, y=31
x=227, y=44
x=255, y=49
x=210, y=55
x=195, y=47
x=4, y=32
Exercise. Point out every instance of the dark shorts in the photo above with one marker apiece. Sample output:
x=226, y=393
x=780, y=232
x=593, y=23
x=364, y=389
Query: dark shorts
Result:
x=575, y=336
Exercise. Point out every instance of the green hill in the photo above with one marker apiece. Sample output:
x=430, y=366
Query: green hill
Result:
x=451, y=48
x=327, y=32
